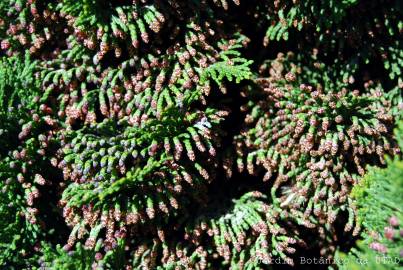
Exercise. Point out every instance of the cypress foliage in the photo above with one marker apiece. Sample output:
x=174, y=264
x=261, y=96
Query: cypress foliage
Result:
x=378, y=199
x=205, y=134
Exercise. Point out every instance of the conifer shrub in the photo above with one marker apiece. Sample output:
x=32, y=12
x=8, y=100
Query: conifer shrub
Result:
x=378, y=199
x=206, y=134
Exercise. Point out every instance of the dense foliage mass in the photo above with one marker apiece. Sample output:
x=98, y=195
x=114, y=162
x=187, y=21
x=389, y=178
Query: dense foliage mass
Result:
x=378, y=198
x=205, y=134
